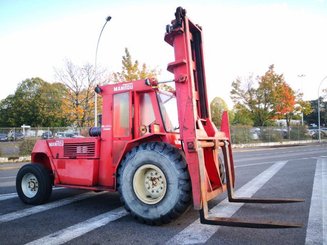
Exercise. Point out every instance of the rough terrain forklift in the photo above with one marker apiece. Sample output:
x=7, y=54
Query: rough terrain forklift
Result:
x=158, y=149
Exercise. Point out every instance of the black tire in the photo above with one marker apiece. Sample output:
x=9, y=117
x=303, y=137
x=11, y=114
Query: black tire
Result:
x=34, y=184
x=222, y=170
x=158, y=199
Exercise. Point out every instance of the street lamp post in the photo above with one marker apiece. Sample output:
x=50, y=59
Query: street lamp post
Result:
x=95, y=68
x=301, y=76
x=319, y=134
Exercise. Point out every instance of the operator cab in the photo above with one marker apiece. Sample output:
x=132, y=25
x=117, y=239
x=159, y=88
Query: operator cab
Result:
x=138, y=108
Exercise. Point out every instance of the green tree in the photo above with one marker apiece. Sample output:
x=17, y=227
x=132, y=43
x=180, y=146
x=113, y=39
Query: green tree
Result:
x=312, y=117
x=51, y=103
x=217, y=107
x=131, y=70
x=242, y=116
x=251, y=100
x=35, y=103
x=7, y=111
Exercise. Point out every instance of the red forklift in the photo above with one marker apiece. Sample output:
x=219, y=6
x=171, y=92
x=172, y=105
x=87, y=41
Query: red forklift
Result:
x=158, y=149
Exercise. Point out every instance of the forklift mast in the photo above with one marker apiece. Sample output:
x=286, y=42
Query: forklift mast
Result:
x=199, y=136
x=201, y=141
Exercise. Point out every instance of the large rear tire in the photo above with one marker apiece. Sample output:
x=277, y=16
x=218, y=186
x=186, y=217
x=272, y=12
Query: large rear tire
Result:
x=154, y=183
x=33, y=184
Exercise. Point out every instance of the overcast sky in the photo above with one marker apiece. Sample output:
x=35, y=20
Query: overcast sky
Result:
x=240, y=38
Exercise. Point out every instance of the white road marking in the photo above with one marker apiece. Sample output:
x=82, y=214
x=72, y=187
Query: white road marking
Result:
x=67, y=234
x=317, y=223
x=271, y=162
x=253, y=164
x=8, y=196
x=9, y=177
x=197, y=233
x=41, y=208
x=7, y=183
x=14, y=195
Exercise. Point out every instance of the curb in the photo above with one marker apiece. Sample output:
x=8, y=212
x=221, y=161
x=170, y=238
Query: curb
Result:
x=270, y=144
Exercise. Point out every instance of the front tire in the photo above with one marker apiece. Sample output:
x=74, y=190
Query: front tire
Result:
x=33, y=184
x=154, y=183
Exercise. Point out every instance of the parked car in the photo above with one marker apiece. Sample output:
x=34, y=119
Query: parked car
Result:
x=314, y=133
x=3, y=137
x=66, y=135
x=282, y=131
x=323, y=132
x=47, y=135
x=15, y=135
x=255, y=133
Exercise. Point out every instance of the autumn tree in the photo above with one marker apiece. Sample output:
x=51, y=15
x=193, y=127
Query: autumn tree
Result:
x=271, y=98
x=78, y=101
x=131, y=70
x=284, y=102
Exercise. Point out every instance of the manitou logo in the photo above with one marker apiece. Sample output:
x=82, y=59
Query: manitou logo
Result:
x=56, y=143
x=125, y=86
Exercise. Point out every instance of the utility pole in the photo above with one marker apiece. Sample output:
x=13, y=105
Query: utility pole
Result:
x=319, y=130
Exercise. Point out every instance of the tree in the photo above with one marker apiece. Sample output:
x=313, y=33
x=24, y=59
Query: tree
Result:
x=35, y=103
x=51, y=103
x=273, y=98
x=7, y=119
x=242, y=116
x=252, y=100
x=78, y=100
x=217, y=107
x=131, y=70
x=312, y=117
x=284, y=103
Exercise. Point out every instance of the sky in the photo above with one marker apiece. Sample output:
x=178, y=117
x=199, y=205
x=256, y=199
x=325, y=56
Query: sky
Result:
x=241, y=38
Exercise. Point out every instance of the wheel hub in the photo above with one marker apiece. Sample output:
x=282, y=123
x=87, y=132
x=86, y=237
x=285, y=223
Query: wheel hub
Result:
x=33, y=185
x=30, y=185
x=154, y=183
x=149, y=184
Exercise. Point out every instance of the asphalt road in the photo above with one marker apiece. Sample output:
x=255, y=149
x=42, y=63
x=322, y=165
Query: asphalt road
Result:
x=80, y=217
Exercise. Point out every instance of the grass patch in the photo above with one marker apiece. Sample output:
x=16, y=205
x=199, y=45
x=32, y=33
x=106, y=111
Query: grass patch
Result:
x=14, y=149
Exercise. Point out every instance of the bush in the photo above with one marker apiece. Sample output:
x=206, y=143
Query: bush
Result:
x=300, y=133
x=26, y=147
x=9, y=149
x=241, y=134
x=272, y=135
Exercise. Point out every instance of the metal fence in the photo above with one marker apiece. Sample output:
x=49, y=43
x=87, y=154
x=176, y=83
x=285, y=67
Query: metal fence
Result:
x=246, y=135
x=19, y=141
x=14, y=134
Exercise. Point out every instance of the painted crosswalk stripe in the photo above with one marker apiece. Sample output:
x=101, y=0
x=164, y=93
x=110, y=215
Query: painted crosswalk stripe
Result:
x=41, y=208
x=197, y=233
x=7, y=196
x=317, y=223
x=67, y=234
x=7, y=183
